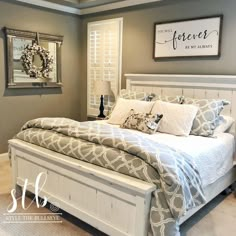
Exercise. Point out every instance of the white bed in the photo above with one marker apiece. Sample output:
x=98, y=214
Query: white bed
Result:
x=213, y=157
x=121, y=203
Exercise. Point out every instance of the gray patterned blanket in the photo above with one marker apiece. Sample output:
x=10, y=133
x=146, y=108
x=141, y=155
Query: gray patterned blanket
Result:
x=173, y=172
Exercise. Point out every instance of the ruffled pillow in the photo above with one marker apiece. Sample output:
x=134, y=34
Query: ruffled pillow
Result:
x=224, y=124
x=144, y=122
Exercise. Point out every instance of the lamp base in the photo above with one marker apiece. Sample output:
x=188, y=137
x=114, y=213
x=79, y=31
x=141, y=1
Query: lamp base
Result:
x=101, y=116
x=101, y=108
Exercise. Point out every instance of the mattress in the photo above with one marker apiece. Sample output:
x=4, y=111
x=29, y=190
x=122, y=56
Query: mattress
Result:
x=212, y=156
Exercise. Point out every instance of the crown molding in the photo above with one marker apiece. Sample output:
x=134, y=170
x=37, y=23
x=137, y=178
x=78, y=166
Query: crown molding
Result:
x=50, y=5
x=115, y=5
x=85, y=11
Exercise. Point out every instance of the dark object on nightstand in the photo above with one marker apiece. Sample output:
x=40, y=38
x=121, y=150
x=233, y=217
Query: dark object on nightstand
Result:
x=102, y=87
x=101, y=108
x=93, y=118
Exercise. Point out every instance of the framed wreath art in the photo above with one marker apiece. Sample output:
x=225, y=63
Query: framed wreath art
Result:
x=34, y=59
x=27, y=61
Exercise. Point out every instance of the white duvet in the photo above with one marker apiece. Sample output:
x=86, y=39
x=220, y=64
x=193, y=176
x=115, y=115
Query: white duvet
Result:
x=212, y=156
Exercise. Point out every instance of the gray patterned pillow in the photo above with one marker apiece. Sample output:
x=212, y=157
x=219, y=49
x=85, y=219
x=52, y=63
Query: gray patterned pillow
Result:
x=207, y=116
x=171, y=99
x=144, y=122
x=138, y=95
x=129, y=94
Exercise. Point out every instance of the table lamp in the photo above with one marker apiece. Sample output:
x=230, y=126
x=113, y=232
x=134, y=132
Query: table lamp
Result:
x=102, y=87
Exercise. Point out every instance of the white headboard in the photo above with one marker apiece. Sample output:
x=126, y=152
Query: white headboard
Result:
x=195, y=86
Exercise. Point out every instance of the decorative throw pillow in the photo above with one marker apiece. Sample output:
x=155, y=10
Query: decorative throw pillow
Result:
x=171, y=99
x=144, y=122
x=123, y=107
x=138, y=95
x=224, y=124
x=208, y=115
x=177, y=119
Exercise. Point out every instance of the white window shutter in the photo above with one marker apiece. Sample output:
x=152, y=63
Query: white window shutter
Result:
x=103, y=60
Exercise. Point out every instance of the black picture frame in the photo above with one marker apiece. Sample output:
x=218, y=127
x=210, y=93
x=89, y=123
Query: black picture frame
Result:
x=194, y=37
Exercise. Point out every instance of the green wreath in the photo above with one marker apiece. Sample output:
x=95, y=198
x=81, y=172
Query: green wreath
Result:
x=27, y=61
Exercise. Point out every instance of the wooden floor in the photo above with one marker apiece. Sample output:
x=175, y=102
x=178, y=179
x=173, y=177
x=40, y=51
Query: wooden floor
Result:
x=218, y=218
x=5, y=177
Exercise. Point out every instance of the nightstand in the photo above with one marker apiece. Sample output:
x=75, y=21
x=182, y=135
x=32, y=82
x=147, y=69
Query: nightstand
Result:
x=92, y=118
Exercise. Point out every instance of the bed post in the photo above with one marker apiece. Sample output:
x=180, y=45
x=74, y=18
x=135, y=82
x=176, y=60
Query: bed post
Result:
x=142, y=212
x=13, y=159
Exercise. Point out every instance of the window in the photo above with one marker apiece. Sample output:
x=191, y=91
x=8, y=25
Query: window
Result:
x=104, y=60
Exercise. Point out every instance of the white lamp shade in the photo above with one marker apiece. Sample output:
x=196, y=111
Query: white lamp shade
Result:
x=102, y=87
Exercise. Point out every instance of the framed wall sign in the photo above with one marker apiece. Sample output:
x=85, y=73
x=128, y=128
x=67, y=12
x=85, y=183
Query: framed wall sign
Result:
x=197, y=37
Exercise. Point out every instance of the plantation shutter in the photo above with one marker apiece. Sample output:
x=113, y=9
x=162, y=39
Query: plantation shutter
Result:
x=104, y=60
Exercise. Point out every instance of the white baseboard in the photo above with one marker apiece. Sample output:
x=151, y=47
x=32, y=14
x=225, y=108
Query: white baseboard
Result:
x=4, y=157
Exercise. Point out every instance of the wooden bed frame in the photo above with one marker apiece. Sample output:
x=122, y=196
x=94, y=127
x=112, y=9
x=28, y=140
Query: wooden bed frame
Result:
x=111, y=202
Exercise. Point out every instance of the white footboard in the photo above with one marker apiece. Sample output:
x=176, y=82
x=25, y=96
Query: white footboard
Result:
x=111, y=202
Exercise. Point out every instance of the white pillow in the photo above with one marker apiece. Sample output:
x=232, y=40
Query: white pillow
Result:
x=177, y=119
x=123, y=107
x=224, y=124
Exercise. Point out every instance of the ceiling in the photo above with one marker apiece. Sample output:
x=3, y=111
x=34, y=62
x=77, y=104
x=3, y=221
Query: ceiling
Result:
x=83, y=7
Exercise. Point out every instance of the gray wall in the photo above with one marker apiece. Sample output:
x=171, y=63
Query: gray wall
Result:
x=18, y=106
x=138, y=39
